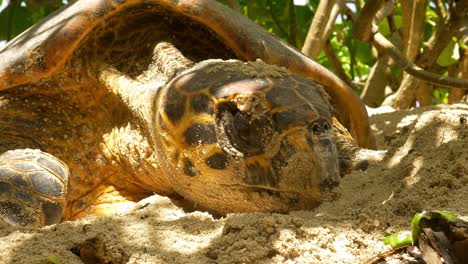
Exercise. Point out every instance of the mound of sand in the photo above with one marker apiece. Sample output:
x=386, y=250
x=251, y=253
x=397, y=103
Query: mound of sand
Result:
x=425, y=168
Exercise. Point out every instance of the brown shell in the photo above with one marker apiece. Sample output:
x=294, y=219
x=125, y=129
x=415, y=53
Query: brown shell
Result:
x=44, y=48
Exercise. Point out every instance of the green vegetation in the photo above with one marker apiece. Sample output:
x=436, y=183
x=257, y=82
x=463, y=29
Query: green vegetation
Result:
x=419, y=220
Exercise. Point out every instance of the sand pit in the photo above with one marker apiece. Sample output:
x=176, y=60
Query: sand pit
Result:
x=425, y=168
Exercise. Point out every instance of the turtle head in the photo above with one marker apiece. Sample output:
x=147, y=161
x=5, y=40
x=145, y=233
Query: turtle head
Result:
x=242, y=137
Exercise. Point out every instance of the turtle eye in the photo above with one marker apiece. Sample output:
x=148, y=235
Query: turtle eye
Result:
x=319, y=127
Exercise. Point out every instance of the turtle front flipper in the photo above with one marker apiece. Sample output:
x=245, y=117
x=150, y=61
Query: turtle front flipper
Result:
x=33, y=188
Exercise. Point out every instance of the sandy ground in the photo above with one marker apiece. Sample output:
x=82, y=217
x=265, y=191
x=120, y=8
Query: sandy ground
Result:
x=425, y=168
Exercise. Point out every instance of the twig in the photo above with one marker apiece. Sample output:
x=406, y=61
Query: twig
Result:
x=335, y=62
x=441, y=8
x=391, y=24
x=385, y=254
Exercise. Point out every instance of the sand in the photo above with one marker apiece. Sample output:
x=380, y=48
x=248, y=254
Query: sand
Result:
x=425, y=168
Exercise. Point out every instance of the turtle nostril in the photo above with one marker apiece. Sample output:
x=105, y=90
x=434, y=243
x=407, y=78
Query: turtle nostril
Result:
x=319, y=127
x=237, y=129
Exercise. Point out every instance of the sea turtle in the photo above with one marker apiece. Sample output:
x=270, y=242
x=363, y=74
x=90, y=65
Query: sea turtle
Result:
x=106, y=102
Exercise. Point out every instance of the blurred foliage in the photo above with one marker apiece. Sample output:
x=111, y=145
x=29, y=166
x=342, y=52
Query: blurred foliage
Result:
x=18, y=15
x=280, y=17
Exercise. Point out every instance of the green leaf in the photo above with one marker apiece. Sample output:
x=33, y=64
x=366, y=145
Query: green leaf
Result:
x=415, y=229
x=449, y=55
x=54, y=259
x=398, y=240
x=402, y=239
x=384, y=28
x=415, y=223
x=363, y=53
x=441, y=95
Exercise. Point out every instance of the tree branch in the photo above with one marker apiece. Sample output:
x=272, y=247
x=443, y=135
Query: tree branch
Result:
x=441, y=8
x=335, y=63
x=362, y=28
x=366, y=30
x=413, y=15
x=321, y=26
x=386, y=46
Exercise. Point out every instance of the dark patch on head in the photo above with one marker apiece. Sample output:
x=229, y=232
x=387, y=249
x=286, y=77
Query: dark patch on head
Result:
x=174, y=105
x=189, y=169
x=217, y=161
x=52, y=212
x=202, y=104
x=258, y=175
x=309, y=90
x=191, y=82
x=200, y=134
x=204, y=78
x=47, y=184
x=295, y=116
x=279, y=96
